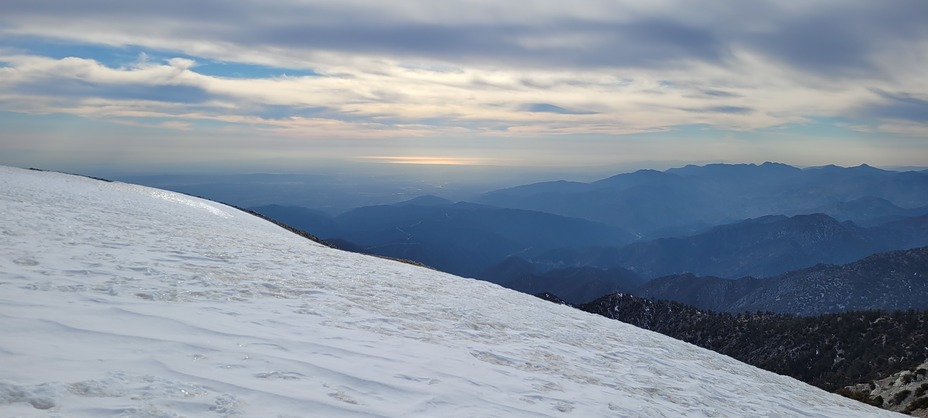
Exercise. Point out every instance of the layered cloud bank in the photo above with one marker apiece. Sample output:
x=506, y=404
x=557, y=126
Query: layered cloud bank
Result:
x=360, y=70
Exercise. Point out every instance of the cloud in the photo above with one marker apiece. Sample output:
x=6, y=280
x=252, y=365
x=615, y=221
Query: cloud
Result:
x=842, y=39
x=395, y=95
x=550, y=108
x=817, y=36
x=898, y=106
x=718, y=93
x=729, y=109
x=174, y=125
x=77, y=89
x=426, y=69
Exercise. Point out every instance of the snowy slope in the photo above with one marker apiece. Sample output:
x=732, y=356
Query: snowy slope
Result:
x=120, y=300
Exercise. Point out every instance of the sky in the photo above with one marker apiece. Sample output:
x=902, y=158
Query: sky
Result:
x=285, y=86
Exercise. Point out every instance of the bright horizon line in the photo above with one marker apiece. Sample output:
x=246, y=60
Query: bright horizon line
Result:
x=462, y=163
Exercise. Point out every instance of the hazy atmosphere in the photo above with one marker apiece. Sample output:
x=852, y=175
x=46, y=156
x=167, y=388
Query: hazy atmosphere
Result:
x=296, y=86
x=420, y=208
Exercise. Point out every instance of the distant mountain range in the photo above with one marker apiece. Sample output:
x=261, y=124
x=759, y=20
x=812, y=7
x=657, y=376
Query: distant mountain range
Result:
x=683, y=200
x=713, y=223
x=474, y=240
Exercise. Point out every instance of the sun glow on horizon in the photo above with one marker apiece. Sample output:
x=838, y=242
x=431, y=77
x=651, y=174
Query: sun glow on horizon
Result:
x=425, y=160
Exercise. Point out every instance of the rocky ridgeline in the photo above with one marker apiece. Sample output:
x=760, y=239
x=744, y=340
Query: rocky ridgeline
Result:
x=905, y=391
x=829, y=351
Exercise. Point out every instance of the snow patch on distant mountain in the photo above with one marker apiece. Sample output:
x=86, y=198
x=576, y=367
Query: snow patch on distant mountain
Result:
x=118, y=300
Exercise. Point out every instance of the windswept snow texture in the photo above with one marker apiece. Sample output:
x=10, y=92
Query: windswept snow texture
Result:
x=120, y=300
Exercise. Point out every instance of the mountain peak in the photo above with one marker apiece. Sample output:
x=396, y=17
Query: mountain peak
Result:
x=860, y=169
x=732, y=169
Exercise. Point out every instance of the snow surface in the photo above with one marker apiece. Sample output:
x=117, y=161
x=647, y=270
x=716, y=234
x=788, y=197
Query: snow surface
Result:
x=121, y=300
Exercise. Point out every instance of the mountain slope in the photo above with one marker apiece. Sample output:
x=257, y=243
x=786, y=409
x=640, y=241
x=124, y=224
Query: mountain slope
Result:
x=889, y=281
x=312, y=221
x=904, y=233
x=704, y=292
x=122, y=300
x=465, y=238
x=574, y=285
x=829, y=351
x=905, y=391
x=760, y=247
x=756, y=247
x=868, y=211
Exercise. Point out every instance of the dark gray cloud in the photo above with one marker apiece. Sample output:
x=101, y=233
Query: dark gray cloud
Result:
x=287, y=111
x=897, y=106
x=718, y=93
x=200, y=10
x=840, y=39
x=651, y=43
x=817, y=44
x=550, y=108
x=70, y=88
x=735, y=110
x=729, y=109
x=824, y=38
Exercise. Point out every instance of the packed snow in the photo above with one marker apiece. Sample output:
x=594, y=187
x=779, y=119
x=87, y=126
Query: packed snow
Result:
x=121, y=300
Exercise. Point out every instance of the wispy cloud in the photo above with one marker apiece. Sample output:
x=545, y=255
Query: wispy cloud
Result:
x=729, y=109
x=550, y=108
x=898, y=106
